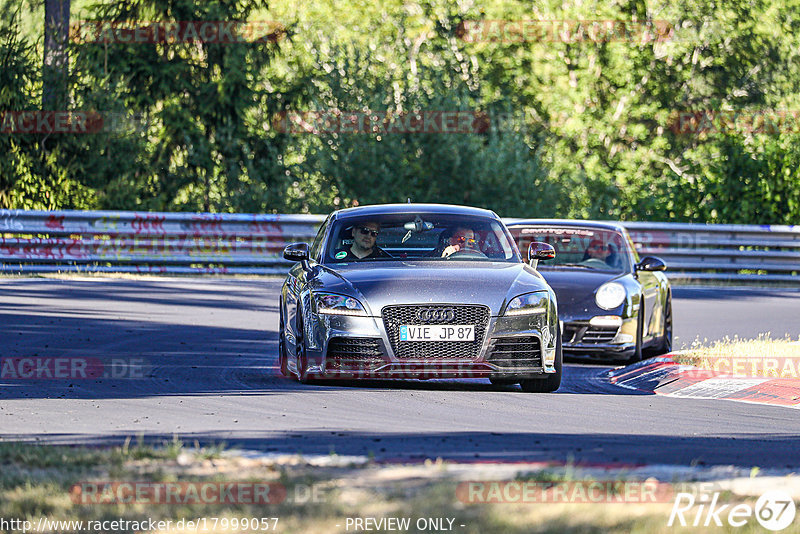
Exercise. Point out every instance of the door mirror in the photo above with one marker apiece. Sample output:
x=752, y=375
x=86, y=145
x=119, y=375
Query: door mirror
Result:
x=540, y=251
x=297, y=252
x=651, y=263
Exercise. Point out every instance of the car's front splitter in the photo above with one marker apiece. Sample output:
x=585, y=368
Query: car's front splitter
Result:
x=426, y=370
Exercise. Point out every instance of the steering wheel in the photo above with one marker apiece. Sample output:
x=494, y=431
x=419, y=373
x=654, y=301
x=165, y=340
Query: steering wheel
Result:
x=477, y=254
x=596, y=263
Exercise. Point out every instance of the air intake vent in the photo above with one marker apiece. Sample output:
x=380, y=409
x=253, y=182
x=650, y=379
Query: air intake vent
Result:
x=515, y=352
x=354, y=353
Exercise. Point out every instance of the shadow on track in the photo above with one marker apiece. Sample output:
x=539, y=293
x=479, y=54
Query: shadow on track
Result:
x=745, y=450
x=189, y=360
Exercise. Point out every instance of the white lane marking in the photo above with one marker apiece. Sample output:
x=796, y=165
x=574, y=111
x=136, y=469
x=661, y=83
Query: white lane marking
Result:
x=714, y=388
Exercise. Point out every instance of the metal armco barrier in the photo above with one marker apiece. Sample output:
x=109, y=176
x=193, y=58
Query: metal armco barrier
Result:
x=722, y=251
x=149, y=242
x=184, y=243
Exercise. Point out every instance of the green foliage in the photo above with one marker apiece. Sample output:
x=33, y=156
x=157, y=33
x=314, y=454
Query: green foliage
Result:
x=592, y=131
x=200, y=148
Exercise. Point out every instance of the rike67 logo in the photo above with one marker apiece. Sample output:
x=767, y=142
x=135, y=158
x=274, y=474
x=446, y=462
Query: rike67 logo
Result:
x=774, y=510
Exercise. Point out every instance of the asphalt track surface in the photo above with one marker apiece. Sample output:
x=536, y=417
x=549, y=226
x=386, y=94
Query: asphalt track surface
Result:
x=211, y=344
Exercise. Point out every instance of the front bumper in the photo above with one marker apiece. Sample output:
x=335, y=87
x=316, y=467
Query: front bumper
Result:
x=582, y=338
x=348, y=347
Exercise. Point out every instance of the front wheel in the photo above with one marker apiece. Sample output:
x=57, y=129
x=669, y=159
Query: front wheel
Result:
x=637, y=351
x=553, y=381
x=302, y=353
x=666, y=341
x=283, y=359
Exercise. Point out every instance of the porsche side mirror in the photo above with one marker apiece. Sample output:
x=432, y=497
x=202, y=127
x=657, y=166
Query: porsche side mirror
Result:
x=540, y=251
x=651, y=263
x=297, y=252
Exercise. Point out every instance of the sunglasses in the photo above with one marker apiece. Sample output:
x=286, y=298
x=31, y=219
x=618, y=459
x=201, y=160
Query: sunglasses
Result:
x=470, y=240
x=368, y=231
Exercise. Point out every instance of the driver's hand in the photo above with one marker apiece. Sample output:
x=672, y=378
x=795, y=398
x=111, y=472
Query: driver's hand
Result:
x=451, y=249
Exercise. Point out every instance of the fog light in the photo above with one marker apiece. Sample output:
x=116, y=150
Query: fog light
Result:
x=622, y=338
x=606, y=321
x=550, y=357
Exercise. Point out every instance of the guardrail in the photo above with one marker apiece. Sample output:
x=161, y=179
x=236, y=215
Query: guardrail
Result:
x=149, y=242
x=731, y=252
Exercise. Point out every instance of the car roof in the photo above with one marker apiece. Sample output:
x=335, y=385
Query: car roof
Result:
x=601, y=225
x=411, y=209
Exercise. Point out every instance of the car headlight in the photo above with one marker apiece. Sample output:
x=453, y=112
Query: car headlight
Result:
x=528, y=304
x=610, y=295
x=331, y=304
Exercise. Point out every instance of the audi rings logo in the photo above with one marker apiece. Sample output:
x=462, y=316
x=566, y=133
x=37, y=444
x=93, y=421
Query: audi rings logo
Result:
x=437, y=315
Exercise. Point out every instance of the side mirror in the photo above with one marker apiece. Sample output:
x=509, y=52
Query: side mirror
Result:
x=540, y=251
x=297, y=252
x=651, y=263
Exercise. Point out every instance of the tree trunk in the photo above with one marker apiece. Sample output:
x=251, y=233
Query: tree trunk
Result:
x=56, y=60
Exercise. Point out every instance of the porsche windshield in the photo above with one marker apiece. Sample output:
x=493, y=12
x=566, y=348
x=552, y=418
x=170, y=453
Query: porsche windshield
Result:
x=576, y=247
x=435, y=237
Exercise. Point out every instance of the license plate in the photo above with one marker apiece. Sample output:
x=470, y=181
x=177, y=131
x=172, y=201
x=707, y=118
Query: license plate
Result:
x=438, y=332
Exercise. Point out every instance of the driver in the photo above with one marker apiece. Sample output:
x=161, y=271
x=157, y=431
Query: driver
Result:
x=600, y=251
x=364, y=237
x=463, y=238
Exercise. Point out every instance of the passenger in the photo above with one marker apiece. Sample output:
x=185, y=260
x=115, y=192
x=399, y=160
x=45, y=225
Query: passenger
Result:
x=364, y=245
x=462, y=239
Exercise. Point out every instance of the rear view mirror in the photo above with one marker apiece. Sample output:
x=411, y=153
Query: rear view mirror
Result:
x=297, y=252
x=418, y=225
x=540, y=251
x=651, y=263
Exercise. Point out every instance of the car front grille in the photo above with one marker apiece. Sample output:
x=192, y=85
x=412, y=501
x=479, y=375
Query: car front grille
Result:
x=582, y=332
x=515, y=352
x=395, y=316
x=354, y=353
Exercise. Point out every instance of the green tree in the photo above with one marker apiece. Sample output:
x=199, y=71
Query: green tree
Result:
x=202, y=146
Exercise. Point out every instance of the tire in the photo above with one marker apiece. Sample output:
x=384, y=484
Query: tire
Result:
x=637, y=352
x=301, y=353
x=283, y=358
x=666, y=342
x=553, y=381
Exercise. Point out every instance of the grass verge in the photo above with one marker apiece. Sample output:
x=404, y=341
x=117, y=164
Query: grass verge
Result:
x=762, y=357
x=39, y=481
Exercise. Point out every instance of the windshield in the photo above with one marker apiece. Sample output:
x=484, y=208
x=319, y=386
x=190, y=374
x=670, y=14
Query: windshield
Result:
x=434, y=237
x=576, y=247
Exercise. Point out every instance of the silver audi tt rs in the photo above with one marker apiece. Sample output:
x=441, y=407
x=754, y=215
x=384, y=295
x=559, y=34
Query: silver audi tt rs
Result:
x=418, y=291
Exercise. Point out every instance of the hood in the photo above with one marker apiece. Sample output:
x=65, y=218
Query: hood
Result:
x=408, y=282
x=575, y=289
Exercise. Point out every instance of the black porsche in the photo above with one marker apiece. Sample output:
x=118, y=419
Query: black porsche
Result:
x=611, y=303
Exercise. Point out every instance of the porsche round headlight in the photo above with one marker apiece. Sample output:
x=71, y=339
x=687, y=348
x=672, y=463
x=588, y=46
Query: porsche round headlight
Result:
x=332, y=304
x=610, y=295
